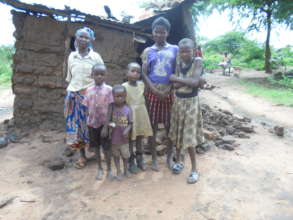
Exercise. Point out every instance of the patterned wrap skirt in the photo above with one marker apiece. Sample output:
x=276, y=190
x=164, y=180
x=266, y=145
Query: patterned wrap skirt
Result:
x=186, y=123
x=75, y=118
x=159, y=109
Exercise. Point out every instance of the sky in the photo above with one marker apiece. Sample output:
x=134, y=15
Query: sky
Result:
x=209, y=27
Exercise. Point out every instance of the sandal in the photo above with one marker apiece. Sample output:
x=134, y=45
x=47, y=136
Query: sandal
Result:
x=80, y=164
x=177, y=168
x=193, y=178
x=77, y=145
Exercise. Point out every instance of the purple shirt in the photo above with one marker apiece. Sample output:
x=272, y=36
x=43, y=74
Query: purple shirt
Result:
x=97, y=99
x=122, y=117
x=161, y=63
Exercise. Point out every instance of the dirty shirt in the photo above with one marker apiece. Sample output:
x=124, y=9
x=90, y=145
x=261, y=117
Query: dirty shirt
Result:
x=122, y=117
x=161, y=62
x=96, y=100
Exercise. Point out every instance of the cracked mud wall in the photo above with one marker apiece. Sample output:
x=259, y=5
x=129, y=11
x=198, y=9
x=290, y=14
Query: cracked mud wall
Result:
x=40, y=64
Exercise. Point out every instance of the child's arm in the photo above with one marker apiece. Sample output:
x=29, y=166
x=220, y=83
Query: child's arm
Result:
x=148, y=82
x=145, y=77
x=127, y=130
x=104, y=132
x=193, y=81
x=177, y=85
x=130, y=121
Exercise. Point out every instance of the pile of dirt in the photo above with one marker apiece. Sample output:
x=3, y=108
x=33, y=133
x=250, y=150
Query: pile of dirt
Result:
x=223, y=127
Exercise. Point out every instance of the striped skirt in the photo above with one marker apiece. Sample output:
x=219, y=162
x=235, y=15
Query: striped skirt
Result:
x=75, y=118
x=159, y=109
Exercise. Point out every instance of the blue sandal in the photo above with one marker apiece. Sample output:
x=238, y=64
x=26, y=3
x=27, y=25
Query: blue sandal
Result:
x=193, y=178
x=177, y=168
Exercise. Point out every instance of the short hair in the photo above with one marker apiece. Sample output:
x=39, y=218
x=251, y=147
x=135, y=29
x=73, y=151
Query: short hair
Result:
x=88, y=30
x=133, y=64
x=99, y=66
x=186, y=42
x=161, y=21
x=118, y=88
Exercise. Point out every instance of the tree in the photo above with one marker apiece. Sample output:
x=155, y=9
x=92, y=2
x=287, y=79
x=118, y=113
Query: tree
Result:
x=263, y=14
x=229, y=42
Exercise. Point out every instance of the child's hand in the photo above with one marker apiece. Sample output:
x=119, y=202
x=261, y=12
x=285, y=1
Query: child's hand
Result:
x=177, y=85
x=104, y=132
x=126, y=133
x=127, y=130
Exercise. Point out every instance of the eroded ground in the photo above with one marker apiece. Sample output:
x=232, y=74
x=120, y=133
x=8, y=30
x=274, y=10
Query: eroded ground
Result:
x=254, y=182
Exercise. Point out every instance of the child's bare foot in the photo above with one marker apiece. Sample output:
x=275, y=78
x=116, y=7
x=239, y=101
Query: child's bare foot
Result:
x=170, y=162
x=132, y=166
x=81, y=163
x=100, y=174
x=109, y=175
x=119, y=177
x=155, y=166
x=127, y=173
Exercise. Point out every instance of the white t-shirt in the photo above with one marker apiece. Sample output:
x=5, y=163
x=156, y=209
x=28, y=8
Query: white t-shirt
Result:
x=80, y=69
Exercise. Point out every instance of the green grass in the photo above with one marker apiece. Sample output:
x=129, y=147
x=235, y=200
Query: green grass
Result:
x=278, y=95
x=6, y=53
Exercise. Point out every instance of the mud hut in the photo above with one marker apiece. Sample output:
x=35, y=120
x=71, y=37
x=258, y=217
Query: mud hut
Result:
x=45, y=37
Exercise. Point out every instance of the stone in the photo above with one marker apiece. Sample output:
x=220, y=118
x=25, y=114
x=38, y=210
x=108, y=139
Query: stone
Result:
x=228, y=147
x=68, y=152
x=228, y=139
x=56, y=164
x=245, y=128
x=6, y=201
x=3, y=142
x=242, y=135
x=279, y=131
x=210, y=135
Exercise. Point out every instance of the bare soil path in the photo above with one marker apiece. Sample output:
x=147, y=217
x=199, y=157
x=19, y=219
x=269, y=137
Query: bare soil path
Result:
x=254, y=182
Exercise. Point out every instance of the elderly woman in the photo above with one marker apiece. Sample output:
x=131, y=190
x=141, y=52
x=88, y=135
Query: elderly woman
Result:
x=80, y=63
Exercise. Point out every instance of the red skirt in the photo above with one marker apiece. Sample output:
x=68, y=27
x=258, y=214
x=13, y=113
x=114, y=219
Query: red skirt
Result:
x=159, y=109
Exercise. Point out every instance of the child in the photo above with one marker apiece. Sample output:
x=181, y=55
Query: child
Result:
x=186, y=118
x=226, y=64
x=159, y=63
x=141, y=123
x=80, y=63
x=120, y=122
x=97, y=99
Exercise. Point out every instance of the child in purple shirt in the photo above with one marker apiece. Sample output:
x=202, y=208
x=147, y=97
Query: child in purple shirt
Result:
x=120, y=124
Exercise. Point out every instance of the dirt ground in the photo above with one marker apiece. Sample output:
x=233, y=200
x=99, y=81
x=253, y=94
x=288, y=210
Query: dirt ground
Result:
x=254, y=182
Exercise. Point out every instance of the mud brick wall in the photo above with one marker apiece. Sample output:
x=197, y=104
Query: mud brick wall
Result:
x=40, y=65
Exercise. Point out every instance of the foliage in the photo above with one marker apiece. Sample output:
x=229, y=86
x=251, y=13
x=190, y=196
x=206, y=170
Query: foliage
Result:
x=229, y=42
x=257, y=10
x=211, y=60
x=263, y=14
x=277, y=95
x=283, y=57
x=155, y=4
x=243, y=52
x=285, y=82
x=6, y=53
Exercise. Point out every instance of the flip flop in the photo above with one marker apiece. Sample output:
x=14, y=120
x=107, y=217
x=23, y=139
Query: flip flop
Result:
x=193, y=178
x=80, y=164
x=177, y=168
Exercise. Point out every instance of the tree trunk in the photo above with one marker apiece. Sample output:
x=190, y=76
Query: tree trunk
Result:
x=268, y=68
